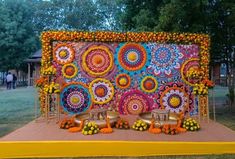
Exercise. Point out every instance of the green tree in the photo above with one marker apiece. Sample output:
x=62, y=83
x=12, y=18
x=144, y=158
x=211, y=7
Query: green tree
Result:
x=140, y=15
x=17, y=39
x=110, y=14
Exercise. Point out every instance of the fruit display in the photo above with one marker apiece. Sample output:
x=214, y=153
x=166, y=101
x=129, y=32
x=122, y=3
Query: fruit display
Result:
x=191, y=125
x=67, y=123
x=140, y=125
x=90, y=128
x=170, y=129
x=122, y=124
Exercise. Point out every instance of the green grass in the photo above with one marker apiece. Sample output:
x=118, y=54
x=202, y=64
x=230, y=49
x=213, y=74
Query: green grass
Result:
x=225, y=117
x=223, y=113
x=16, y=108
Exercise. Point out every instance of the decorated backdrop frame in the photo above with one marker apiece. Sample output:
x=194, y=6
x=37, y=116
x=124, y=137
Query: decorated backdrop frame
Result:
x=48, y=37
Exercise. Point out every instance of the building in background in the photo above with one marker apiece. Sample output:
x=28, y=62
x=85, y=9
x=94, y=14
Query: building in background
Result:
x=34, y=64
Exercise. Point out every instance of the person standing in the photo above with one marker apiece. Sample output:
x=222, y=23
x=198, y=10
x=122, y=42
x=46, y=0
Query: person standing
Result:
x=14, y=81
x=9, y=80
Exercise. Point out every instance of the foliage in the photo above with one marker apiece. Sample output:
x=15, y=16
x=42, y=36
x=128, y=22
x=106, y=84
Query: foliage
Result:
x=17, y=39
x=204, y=16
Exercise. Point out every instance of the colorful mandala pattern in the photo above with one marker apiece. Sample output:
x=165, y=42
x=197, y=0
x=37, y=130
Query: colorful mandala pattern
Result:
x=69, y=70
x=192, y=63
x=102, y=91
x=165, y=60
x=134, y=102
x=149, y=84
x=175, y=97
x=132, y=57
x=97, y=60
x=75, y=98
x=123, y=81
x=63, y=53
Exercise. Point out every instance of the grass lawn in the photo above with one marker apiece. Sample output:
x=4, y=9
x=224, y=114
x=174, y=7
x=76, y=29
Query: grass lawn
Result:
x=16, y=108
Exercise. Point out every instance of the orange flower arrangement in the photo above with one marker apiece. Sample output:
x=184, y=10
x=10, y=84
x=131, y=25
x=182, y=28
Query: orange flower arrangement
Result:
x=40, y=82
x=208, y=83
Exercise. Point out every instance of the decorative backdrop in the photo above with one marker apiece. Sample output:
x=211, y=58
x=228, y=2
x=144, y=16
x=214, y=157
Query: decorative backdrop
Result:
x=128, y=72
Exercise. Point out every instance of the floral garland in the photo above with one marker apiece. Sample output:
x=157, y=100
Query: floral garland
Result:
x=203, y=84
x=40, y=82
x=202, y=40
x=49, y=70
x=48, y=37
x=51, y=88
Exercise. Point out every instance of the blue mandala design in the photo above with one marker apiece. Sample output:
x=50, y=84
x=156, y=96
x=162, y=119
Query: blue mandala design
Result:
x=132, y=58
x=75, y=98
x=166, y=60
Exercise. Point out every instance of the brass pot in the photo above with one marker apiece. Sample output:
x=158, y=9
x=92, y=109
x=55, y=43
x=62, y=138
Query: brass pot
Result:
x=113, y=116
x=147, y=117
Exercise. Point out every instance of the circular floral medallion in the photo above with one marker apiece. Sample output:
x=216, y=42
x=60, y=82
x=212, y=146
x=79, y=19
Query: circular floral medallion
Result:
x=123, y=81
x=63, y=53
x=132, y=57
x=175, y=97
x=75, y=98
x=102, y=90
x=149, y=84
x=69, y=70
x=165, y=59
x=192, y=63
x=97, y=60
x=134, y=102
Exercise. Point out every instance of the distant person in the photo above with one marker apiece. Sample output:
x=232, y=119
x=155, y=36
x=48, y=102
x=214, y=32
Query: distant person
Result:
x=14, y=81
x=9, y=80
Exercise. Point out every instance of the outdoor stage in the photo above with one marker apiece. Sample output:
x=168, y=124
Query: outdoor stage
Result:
x=46, y=139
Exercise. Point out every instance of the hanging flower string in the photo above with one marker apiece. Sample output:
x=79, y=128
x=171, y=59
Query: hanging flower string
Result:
x=202, y=84
x=52, y=88
x=49, y=71
x=40, y=82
